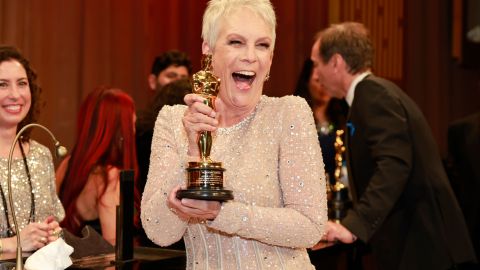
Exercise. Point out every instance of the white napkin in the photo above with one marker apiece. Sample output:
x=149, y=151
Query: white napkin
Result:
x=54, y=256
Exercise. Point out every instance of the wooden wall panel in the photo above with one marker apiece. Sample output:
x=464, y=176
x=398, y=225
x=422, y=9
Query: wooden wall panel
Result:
x=384, y=19
x=75, y=45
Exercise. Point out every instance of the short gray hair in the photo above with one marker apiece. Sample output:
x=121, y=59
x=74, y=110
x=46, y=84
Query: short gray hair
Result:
x=218, y=9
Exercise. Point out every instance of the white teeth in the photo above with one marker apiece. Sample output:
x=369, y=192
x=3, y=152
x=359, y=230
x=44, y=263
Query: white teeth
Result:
x=12, y=107
x=246, y=73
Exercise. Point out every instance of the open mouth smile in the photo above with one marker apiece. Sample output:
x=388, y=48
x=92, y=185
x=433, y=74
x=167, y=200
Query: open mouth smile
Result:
x=244, y=79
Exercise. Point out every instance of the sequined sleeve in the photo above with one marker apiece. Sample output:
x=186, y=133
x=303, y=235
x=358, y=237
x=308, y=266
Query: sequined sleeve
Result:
x=301, y=220
x=166, y=171
x=58, y=210
x=43, y=178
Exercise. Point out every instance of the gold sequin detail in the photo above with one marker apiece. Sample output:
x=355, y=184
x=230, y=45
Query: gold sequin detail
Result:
x=273, y=165
x=39, y=160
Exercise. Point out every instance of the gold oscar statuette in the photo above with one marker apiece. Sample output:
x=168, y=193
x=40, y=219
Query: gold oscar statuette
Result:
x=339, y=201
x=205, y=177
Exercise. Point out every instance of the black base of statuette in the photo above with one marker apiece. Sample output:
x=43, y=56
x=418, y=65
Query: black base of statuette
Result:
x=206, y=194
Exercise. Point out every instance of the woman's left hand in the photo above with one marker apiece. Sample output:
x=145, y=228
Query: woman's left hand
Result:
x=54, y=229
x=190, y=208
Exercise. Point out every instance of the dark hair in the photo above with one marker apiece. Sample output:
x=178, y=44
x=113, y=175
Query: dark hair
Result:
x=169, y=58
x=303, y=81
x=8, y=53
x=170, y=94
x=351, y=41
x=105, y=137
x=337, y=109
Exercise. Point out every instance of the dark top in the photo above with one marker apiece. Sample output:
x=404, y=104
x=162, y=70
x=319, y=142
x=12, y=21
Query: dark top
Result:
x=144, y=142
x=328, y=153
x=464, y=171
x=404, y=206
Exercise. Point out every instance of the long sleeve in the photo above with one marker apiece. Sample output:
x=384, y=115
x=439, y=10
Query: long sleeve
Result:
x=166, y=170
x=273, y=165
x=299, y=221
x=381, y=128
x=57, y=206
x=41, y=183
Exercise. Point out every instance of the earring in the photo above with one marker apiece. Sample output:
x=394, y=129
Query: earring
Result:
x=267, y=77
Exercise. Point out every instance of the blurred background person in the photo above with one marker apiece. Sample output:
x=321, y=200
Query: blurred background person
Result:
x=168, y=67
x=38, y=209
x=88, y=180
x=464, y=171
x=404, y=209
x=330, y=113
x=171, y=94
x=268, y=146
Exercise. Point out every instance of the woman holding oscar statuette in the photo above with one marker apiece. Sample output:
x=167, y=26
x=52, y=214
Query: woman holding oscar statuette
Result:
x=267, y=146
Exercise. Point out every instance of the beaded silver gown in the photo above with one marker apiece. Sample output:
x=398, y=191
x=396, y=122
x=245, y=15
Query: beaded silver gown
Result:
x=47, y=203
x=273, y=165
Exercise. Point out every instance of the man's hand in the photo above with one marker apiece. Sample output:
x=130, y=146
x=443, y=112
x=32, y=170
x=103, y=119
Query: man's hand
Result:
x=337, y=232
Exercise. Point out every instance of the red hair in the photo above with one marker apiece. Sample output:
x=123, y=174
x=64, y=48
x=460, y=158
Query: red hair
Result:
x=105, y=137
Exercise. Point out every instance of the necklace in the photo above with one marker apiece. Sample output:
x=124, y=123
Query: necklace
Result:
x=245, y=121
x=31, y=218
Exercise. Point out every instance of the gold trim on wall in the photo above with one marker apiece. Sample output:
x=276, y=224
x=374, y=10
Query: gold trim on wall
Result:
x=333, y=11
x=457, y=24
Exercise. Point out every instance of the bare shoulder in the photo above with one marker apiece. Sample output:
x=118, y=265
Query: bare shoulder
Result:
x=110, y=196
x=113, y=174
x=61, y=171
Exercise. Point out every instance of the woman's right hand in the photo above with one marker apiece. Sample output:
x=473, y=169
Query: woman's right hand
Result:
x=34, y=236
x=198, y=117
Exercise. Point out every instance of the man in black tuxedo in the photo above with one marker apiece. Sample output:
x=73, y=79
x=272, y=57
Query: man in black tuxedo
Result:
x=464, y=171
x=404, y=208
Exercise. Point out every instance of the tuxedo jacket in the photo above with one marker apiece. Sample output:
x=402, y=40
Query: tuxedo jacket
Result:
x=464, y=161
x=404, y=207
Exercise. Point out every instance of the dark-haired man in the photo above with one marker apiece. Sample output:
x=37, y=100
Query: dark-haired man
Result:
x=404, y=208
x=168, y=67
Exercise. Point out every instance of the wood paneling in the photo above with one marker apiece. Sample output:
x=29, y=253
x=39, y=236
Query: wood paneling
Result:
x=75, y=45
x=384, y=19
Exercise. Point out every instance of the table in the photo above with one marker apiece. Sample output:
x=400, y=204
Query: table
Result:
x=145, y=258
